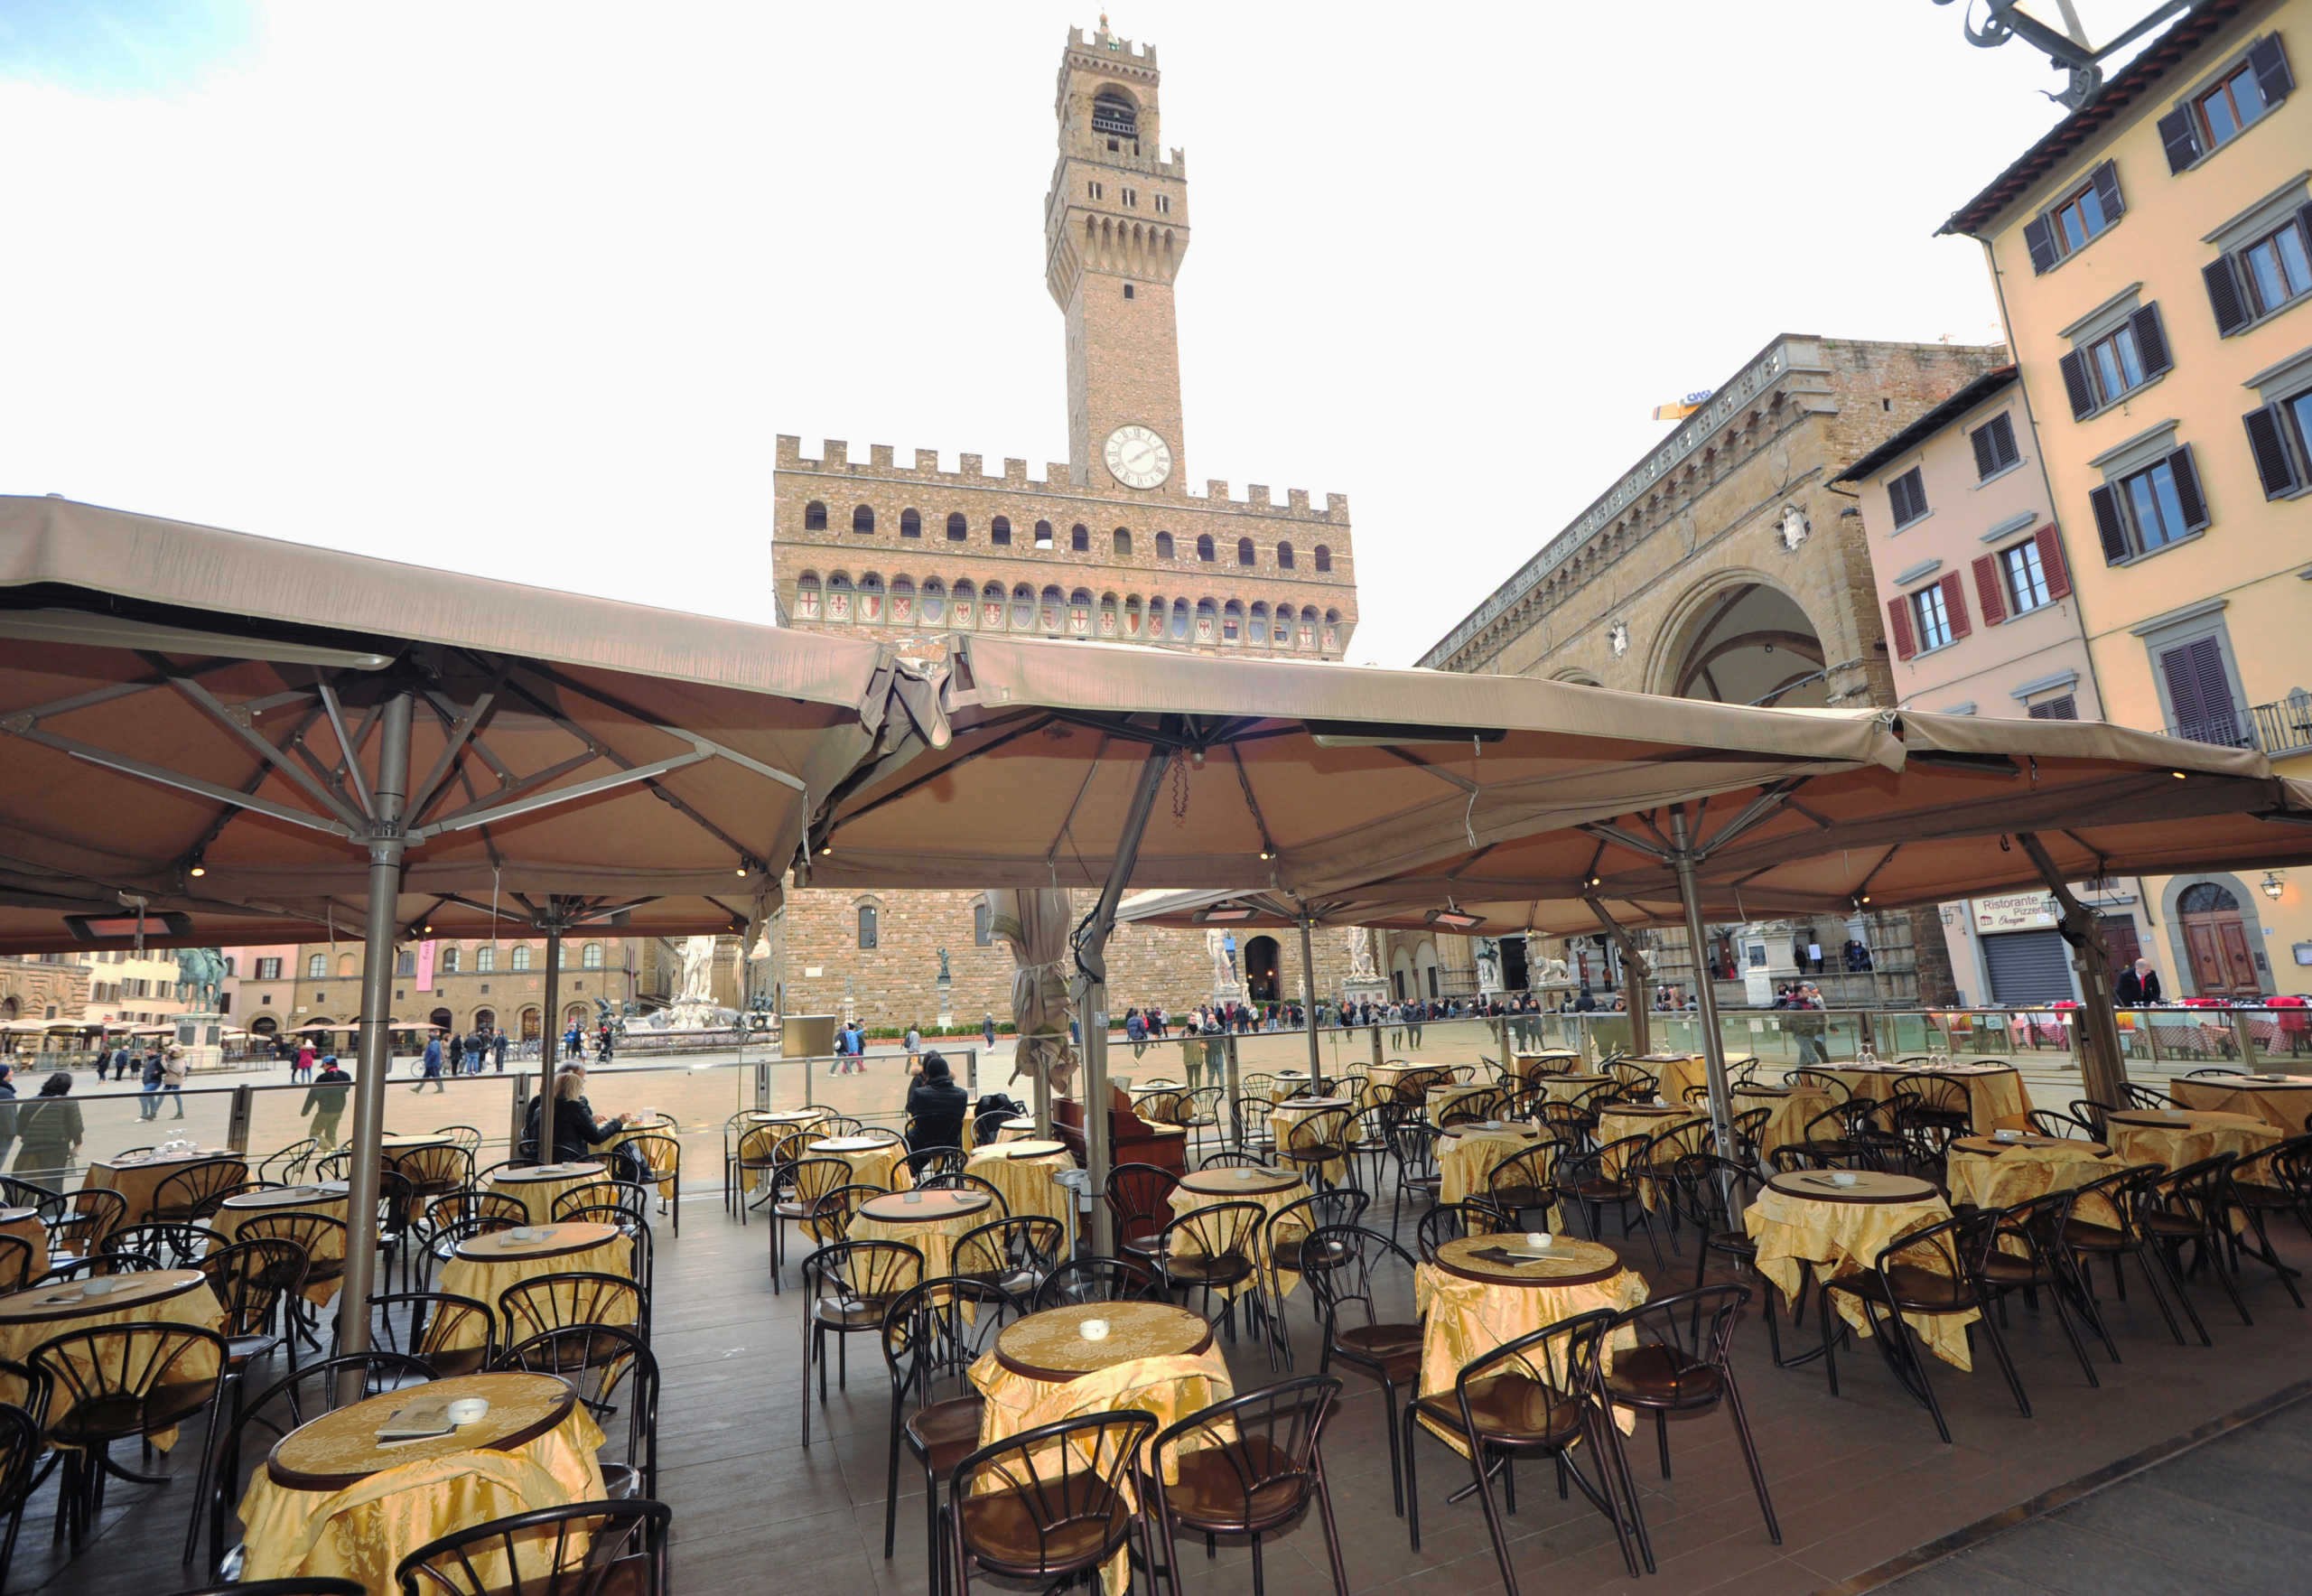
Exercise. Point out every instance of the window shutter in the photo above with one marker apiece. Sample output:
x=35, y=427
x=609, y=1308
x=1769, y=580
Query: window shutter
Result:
x=2268, y=62
x=2200, y=693
x=1987, y=589
x=2187, y=488
x=2106, y=178
x=2076, y=386
x=2225, y=296
x=2003, y=440
x=2065, y=708
x=2040, y=238
x=2181, y=136
x=1898, y=627
x=2109, y=526
x=2051, y=561
x=2151, y=340
x=2304, y=225
x=1954, y=606
x=2268, y=442
x=1986, y=451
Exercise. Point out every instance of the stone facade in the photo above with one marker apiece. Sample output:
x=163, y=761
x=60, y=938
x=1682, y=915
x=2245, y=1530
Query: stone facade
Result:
x=1111, y=544
x=43, y=988
x=505, y=995
x=1726, y=566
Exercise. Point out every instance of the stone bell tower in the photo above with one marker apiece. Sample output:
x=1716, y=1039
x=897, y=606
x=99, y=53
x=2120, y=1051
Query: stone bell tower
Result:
x=1116, y=228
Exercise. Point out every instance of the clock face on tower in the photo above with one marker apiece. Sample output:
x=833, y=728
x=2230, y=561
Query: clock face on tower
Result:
x=1137, y=457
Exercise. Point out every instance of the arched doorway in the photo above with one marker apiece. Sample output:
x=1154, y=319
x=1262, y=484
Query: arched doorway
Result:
x=485, y=1019
x=530, y=1025
x=441, y=1020
x=2216, y=941
x=1404, y=982
x=574, y=1014
x=265, y=1025
x=1260, y=970
x=1745, y=642
x=7, y=1008
x=1516, y=974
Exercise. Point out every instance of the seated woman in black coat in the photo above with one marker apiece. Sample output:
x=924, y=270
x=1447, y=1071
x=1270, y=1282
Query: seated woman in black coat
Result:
x=936, y=1105
x=575, y=1128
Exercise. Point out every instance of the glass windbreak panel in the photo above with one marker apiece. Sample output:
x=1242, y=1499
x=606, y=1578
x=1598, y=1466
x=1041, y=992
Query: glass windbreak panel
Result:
x=112, y=1123
x=872, y=1088
x=281, y=1115
x=1442, y=1041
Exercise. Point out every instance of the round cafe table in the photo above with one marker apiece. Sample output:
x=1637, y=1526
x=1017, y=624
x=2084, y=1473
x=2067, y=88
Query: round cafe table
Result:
x=657, y=1125
x=25, y=1225
x=1999, y=1173
x=1385, y=1082
x=1275, y=1190
x=137, y=1179
x=394, y=1142
x=789, y=1119
x=483, y=1266
x=1818, y=1220
x=2177, y=1138
x=1533, y=1066
x=1445, y=1094
x=1467, y=1155
x=1020, y=1128
x=1570, y=1087
x=1792, y=1108
x=333, y=1501
x=538, y=1187
x=175, y=1296
x=1483, y=1291
x=327, y=1197
x=1640, y=1119
x=874, y=1160
x=928, y=1221
x=1286, y=1116
x=2282, y=1100
x=1022, y=1170
x=1996, y=1099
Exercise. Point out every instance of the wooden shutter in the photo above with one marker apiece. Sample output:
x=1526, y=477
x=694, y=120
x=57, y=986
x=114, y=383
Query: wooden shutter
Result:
x=1986, y=451
x=2109, y=525
x=1898, y=627
x=2065, y=708
x=2188, y=489
x=2268, y=442
x=2151, y=341
x=2181, y=137
x=2076, y=385
x=2199, y=692
x=2268, y=62
x=2051, y=561
x=2002, y=430
x=2106, y=180
x=1987, y=590
x=1954, y=606
x=2223, y=295
x=2304, y=225
x=2040, y=238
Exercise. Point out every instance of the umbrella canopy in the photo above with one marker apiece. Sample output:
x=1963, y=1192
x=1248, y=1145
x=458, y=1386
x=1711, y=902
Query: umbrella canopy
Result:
x=1294, y=775
x=178, y=704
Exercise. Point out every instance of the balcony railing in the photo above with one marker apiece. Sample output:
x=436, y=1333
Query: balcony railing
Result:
x=2273, y=729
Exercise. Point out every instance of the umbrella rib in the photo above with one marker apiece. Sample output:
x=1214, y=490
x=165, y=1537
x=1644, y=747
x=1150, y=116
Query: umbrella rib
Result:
x=504, y=806
x=1091, y=769
x=1035, y=724
x=1628, y=839
x=95, y=696
x=1863, y=887
x=1461, y=782
x=608, y=701
x=216, y=827
x=182, y=783
x=1245, y=780
x=479, y=710
x=209, y=703
x=346, y=745
x=1760, y=807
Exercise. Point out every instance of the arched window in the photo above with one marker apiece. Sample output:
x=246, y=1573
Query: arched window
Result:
x=2205, y=898
x=1207, y=622
x=935, y=602
x=1203, y=547
x=345, y=963
x=910, y=524
x=1163, y=546
x=448, y=962
x=902, y=601
x=1256, y=624
x=521, y=960
x=1108, y=615
x=1123, y=543
x=485, y=958
x=957, y=528
x=815, y=516
x=1284, y=556
x=1111, y=112
x=1043, y=534
x=983, y=924
x=593, y=959
x=999, y=531
x=1324, y=558
x=317, y=966
x=1332, y=631
x=870, y=598
x=866, y=925
x=1079, y=539
x=839, y=598
x=1243, y=551
x=1048, y=618
x=1180, y=626
x=966, y=597
x=863, y=520
x=1232, y=622
x=1079, y=614
x=1023, y=608
x=568, y=958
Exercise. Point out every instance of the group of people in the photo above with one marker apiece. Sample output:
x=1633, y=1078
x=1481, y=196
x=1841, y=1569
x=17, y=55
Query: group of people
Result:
x=460, y=1055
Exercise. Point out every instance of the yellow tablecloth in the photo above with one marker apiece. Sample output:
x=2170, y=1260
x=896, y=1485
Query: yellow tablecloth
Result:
x=1383, y=1081
x=25, y=1225
x=1530, y=1066
x=1569, y=1088
x=1614, y=1124
x=2194, y=1136
x=1792, y=1107
x=1443, y=1097
x=933, y=1233
x=171, y=1296
x=661, y=1124
x=1464, y=1160
x=137, y=1183
x=2285, y=1104
x=360, y=1533
x=328, y=1245
x=1463, y=1319
x=1995, y=1096
x=1025, y=1183
x=483, y=1278
x=880, y=1165
x=1171, y=1387
x=1185, y=1199
x=2023, y=1170
x=1285, y=1115
x=539, y=1193
x=1846, y=1238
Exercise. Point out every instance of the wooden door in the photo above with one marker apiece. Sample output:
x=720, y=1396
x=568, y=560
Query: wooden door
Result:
x=2223, y=966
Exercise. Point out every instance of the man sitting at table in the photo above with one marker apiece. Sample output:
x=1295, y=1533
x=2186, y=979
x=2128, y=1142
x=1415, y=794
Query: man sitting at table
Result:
x=935, y=1106
x=575, y=1128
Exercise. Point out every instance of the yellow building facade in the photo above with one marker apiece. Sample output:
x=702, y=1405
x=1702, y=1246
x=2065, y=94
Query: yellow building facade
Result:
x=2152, y=256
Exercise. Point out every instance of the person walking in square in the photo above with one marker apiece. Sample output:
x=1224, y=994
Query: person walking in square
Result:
x=173, y=1080
x=431, y=1065
x=325, y=1102
x=499, y=1052
x=148, y=1102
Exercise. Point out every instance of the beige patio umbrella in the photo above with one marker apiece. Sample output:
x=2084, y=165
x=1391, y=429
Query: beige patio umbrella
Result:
x=1297, y=776
x=211, y=736
x=1035, y=922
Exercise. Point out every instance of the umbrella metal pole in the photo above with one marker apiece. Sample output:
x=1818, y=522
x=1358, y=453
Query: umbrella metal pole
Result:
x=385, y=845
x=1091, y=960
x=1307, y=1000
x=2104, y=1072
x=1636, y=976
x=552, y=1051
x=1713, y=1046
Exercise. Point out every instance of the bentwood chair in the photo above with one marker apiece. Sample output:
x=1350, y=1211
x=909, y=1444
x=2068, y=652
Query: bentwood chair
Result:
x=1925, y=1272
x=931, y=1334
x=1284, y=1242
x=252, y=1280
x=579, y=1549
x=1452, y=1221
x=1137, y=1196
x=1248, y=1466
x=82, y=1220
x=123, y=1382
x=449, y=1334
x=321, y=1241
x=1537, y=1395
x=613, y=1372
x=1048, y=1504
x=662, y=1154
x=849, y=1285
x=1097, y=1280
x=1213, y=1248
x=1592, y=1178
x=18, y=1267
x=1013, y=1253
x=20, y=1454
x=1343, y=1266
x=2106, y=1220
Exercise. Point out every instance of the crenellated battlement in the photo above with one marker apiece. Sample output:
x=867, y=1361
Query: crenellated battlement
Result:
x=971, y=473
x=1106, y=49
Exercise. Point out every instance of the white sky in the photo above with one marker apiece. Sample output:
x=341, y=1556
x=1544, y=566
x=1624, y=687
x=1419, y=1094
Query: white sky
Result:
x=526, y=289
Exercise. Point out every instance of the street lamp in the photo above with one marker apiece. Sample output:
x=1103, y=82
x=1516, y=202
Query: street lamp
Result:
x=2272, y=885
